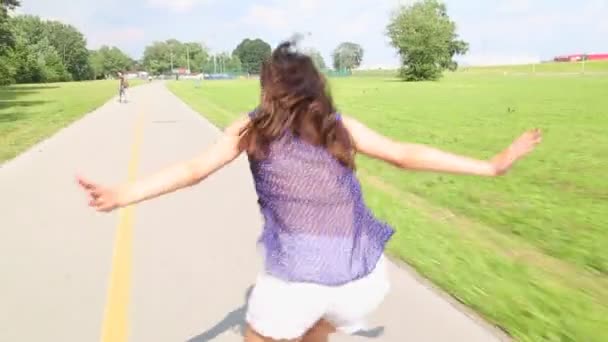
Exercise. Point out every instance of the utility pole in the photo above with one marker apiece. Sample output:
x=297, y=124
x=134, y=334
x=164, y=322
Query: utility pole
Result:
x=584, y=59
x=188, y=57
x=214, y=65
x=204, y=62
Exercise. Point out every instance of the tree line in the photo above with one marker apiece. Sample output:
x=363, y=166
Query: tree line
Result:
x=34, y=50
x=247, y=57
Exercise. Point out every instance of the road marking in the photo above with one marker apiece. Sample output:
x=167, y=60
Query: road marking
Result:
x=116, y=321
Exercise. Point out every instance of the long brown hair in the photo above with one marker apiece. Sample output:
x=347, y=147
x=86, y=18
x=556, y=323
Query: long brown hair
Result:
x=295, y=98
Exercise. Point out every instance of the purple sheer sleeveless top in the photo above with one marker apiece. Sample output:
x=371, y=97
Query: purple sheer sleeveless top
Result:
x=317, y=228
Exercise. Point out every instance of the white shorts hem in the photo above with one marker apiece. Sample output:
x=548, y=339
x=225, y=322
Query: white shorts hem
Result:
x=276, y=334
x=273, y=332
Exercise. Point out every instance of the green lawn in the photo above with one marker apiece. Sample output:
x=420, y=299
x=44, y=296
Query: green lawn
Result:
x=590, y=67
x=528, y=251
x=31, y=113
x=599, y=68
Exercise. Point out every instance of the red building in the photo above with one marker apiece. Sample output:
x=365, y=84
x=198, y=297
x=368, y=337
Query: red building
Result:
x=582, y=56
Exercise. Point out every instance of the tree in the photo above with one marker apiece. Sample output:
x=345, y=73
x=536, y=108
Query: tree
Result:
x=38, y=61
x=35, y=59
x=232, y=63
x=108, y=61
x=96, y=62
x=317, y=59
x=161, y=56
x=7, y=43
x=10, y=4
x=71, y=46
x=6, y=37
x=252, y=54
x=222, y=63
x=7, y=40
x=347, y=56
x=40, y=46
x=7, y=69
x=426, y=40
x=157, y=58
x=198, y=56
x=50, y=64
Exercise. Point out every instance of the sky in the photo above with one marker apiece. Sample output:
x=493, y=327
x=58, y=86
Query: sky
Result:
x=498, y=31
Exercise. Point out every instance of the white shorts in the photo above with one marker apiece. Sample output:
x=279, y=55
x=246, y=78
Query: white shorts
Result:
x=286, y=310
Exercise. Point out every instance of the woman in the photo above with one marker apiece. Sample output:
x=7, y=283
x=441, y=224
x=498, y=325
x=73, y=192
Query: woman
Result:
x=323, y=248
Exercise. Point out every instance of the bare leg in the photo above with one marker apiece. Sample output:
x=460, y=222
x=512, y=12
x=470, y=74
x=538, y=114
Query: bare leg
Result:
x=319, y=332
x=252, y=336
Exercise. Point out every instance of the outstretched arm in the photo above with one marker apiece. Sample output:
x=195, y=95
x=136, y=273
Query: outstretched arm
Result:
x=425, y=158
x=171, y=179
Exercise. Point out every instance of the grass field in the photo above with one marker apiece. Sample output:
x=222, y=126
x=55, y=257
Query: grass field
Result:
x=528, y=251
x=539, y=69
x=31, y=113
x=589, y=67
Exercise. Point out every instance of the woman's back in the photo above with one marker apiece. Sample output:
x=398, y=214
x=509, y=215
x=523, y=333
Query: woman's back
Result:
x=317, y=227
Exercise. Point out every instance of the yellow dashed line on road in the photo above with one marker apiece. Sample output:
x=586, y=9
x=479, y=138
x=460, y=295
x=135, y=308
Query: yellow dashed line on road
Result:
x=116, y=321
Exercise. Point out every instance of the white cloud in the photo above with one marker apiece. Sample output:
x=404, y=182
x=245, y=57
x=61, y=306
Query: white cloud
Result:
x=504, y=31
x=328, y=22
x=355, y=27
x=514, y=6
x=596, y=13
x=299, y=6
x=177, y=5
x=268, y=16
x=309, y=4
x=120, y=36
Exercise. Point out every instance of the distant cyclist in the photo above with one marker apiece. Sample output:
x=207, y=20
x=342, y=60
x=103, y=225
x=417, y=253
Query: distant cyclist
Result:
x=123, y=85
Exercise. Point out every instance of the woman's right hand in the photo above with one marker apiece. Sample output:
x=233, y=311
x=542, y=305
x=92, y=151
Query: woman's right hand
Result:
x=518, y=149
x=101, y=198
x=425, y=158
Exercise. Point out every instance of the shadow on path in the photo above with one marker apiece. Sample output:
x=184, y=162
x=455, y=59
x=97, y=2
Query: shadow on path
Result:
x=234, y=320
